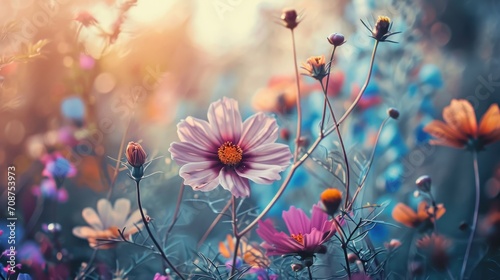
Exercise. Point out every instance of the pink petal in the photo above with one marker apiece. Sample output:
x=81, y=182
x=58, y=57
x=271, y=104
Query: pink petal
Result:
x=276, y=243
x=201, y=176
x=259, y=129
x=318, y=218
x=260, y=173
x=296, y=221
x=199, y=133
x=273, y=154
x=313, y=240
x=238, y=186
x=225, y=119
x=186, y=152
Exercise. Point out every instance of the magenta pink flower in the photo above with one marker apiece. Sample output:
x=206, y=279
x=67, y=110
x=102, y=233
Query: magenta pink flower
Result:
x=306, y=235
x=229, y=152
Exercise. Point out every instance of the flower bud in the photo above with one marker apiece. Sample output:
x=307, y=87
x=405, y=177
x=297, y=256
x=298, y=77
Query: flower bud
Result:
x=352, y=258
x=424, y=183
x=381, y=27
x=331, y=199
x=393, y=113
x=289, y=18
x=393, y=244
x=296, y=267
x=336, y=39
x=136, y=156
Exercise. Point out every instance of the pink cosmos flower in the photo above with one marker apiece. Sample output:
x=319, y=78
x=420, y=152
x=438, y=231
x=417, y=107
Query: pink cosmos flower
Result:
x=306, y=235
x=227, y=151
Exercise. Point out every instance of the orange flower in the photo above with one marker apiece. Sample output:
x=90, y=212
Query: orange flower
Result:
x=316, y=67
x=460, y=128
x=251, y=255
x=405, y=215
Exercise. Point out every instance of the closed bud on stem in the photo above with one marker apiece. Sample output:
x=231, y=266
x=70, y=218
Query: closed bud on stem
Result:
x=289, y=18
x=393, y=113
x=352, y=258
x=136, y=157
x=336, y=39
x=424, y=183
x=331, y=199
x=296, y=267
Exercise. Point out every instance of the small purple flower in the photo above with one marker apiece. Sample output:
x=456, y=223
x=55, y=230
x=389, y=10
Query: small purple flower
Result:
x=306, y=235
x=57, y=167
x=227, y=151
x=48, y=189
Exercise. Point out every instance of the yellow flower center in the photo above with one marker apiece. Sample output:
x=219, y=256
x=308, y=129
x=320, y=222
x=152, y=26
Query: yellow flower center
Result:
x=230, y=154
x=298, y=237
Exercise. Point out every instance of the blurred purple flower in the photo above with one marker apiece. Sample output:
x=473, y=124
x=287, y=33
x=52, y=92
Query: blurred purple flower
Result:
x=48, y=189
x=86, y=62
x=23, y=276
x=229, y=152
x=30, y=254
x=57, y=167
x=306, y=235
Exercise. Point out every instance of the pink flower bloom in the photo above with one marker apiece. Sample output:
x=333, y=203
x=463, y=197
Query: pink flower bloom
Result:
x=306, y=235
x=229, y=152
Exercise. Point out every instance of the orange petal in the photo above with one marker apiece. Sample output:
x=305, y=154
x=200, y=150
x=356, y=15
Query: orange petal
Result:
x=461, y=116
x=446, y=134
x=422, y=211
x=405, y=215
x=224, y=251
x=489, y=127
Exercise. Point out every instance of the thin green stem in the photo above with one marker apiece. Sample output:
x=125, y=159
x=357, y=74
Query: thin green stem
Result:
x=344, y=247
x=146, y=225
x=476, y=214
x=299, y=110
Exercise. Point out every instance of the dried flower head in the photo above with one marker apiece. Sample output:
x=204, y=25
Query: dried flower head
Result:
x=290, y=18
x=460, y=128
x=316, y=67
x=436, y=246
x=382, y=29
x=336, y=39
x=331, y=199
x=424, y=183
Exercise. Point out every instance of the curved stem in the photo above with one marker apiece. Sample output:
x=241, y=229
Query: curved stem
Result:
x=326, y=86
x=474, y=219
x=360, y=94
x=146, y=225
x=214, y=223
x=370, y=162
x=299, y=110
x=347, y=183
x=176, y=212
